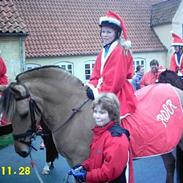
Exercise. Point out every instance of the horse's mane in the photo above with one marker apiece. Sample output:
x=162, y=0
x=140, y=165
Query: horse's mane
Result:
x=171, y=77
x=8, y=102
x=49, y=71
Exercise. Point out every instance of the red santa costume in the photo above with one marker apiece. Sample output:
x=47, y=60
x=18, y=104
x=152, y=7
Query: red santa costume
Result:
x=3, y=77
x=111, y=72
x=176, y=64
x=3, y=81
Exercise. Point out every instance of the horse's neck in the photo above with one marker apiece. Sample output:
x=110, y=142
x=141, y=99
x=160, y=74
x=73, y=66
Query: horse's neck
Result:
x=73, y=139
x=57, y=101
x=72, y=135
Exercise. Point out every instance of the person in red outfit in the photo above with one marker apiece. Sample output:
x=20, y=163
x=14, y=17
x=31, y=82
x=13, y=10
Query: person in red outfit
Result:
x=176, y=60
x=110, y=158
x=3, y=81
x=151, y=76
x=3, y=70
x=114, y=64
x=176, y=65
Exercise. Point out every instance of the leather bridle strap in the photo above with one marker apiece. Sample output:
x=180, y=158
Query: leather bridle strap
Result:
x=33, y=107
x=74, y=111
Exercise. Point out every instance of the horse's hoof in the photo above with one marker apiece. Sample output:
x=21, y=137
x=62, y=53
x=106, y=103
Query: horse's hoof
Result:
x=45, y=172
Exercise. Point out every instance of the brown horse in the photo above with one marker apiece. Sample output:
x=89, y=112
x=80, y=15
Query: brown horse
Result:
x=59, y=99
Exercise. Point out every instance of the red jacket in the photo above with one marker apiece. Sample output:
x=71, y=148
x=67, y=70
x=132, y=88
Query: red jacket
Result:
x=174, y=65
x=111, y=74
x=149, y=78
x=3, y=77
x=108, y=156
x=3, y=81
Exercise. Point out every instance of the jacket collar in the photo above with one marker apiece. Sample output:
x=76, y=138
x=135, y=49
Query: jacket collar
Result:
x=99, y=130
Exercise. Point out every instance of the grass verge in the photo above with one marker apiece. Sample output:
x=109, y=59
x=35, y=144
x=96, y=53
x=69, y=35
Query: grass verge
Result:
x=6, y=140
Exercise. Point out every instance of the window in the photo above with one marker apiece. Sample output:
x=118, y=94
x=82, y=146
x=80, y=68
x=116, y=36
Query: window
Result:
x=139, y=61
x=66, y=66
x=88, y=69
x=31, y=66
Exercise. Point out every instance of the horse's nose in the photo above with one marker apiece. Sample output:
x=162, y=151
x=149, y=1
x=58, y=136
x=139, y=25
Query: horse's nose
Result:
x=22, y=149
x=23, y=154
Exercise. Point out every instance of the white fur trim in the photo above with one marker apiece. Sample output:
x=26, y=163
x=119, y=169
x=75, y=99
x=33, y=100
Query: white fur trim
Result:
x=95, y=92
x=90, y=85
x=177, y=44
x=127, y=172
x=124, y=116
x=103, y=61
x=109, y=19
x=126, y=44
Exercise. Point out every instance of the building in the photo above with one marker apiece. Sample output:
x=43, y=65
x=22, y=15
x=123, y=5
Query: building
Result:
x=66, y=33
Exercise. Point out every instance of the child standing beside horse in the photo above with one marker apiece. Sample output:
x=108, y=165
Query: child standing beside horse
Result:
x=109, y=159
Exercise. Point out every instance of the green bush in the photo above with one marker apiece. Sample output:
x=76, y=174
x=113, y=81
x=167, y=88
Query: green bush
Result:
x=6, y=140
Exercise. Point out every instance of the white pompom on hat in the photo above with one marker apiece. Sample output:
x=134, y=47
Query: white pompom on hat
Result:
x=176, y=40
x=115, y=19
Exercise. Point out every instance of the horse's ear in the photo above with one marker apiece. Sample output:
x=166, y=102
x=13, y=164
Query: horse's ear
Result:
x=2, y=87
x=18, y=90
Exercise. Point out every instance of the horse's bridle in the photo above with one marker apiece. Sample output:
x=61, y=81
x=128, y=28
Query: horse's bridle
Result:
x=33, y=110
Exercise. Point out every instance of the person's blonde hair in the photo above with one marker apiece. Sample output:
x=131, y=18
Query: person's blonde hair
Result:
x=110, y=103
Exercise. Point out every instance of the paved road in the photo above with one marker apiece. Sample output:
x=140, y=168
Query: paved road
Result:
x=150, y=170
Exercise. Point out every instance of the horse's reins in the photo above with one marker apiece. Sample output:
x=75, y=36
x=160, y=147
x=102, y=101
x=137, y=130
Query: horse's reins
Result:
x=74, y=111
x=33, y=109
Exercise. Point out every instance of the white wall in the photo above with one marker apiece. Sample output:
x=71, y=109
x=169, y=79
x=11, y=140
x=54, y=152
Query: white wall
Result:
x=160, y=56
x=78, y=62
x=164, y=34
x=177, y=22
x=12, y=54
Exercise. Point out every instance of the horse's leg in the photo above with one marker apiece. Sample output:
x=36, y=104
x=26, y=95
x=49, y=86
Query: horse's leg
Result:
x=169, y=162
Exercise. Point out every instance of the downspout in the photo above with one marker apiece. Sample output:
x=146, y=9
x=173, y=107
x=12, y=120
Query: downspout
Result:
x=22, y=53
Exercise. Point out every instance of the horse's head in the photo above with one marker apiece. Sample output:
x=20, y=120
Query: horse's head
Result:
x=20, y=109
x=171, y=77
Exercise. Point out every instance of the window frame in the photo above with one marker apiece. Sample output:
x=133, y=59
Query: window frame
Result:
x=66, y=64
x=32, y=66
x=140, y=60
x=91, y=64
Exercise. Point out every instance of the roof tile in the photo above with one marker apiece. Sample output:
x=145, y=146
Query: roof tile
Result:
x=60, y=27
x=163, y=12
x=10, y=21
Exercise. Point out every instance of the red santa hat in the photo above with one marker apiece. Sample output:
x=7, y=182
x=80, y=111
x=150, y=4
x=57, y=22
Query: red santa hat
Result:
x=176, y=40
x=115, y=19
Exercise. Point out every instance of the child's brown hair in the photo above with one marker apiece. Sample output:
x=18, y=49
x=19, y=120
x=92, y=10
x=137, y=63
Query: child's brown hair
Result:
x=110, y=103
